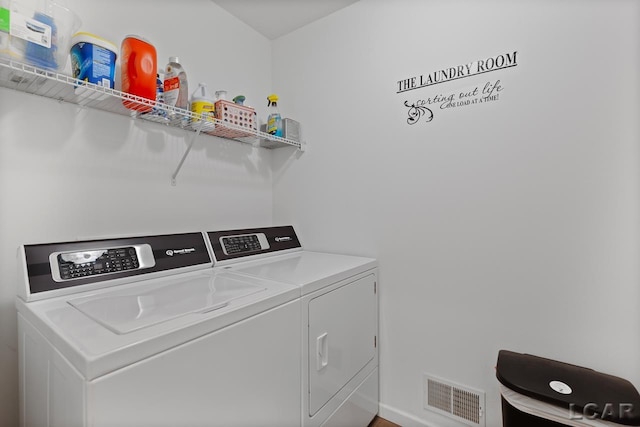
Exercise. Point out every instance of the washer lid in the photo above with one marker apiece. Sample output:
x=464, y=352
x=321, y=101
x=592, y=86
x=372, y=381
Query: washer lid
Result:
x=128, y=310
x=95, y=349
x=309, y=270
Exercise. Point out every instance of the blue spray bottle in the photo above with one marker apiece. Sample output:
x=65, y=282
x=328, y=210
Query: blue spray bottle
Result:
x=274, y=121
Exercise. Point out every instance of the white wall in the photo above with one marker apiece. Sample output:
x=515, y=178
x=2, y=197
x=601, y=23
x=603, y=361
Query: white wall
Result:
x=505, y=225
x=68, y=173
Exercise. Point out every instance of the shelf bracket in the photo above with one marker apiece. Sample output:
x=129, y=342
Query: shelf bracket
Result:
x=184, y=156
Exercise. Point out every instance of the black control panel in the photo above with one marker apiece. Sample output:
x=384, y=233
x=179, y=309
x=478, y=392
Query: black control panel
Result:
x=241, y=244
x=90, y=263
x=55, y=266
x=237, y=244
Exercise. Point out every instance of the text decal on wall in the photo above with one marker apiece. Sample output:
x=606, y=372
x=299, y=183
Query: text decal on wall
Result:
x=481, y=66
x=421, y=109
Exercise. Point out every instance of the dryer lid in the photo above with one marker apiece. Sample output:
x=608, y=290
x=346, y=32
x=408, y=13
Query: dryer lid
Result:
x=309, y=270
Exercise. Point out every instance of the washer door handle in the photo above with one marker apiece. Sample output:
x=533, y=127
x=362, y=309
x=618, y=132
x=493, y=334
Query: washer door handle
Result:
x=322, y=351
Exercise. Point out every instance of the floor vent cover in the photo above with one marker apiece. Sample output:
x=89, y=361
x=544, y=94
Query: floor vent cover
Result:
x=461, y=403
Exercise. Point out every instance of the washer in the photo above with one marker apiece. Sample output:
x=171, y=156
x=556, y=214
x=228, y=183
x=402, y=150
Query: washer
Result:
x=141, y=331
x=339, y=324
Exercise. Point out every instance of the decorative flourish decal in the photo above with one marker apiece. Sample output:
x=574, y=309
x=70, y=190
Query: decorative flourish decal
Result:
x=416, y=111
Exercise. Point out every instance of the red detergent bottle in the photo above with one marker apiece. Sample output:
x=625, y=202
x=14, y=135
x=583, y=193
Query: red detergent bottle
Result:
x=139, y=67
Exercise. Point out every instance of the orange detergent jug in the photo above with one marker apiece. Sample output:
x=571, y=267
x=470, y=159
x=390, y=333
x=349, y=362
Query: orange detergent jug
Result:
x=138, y=69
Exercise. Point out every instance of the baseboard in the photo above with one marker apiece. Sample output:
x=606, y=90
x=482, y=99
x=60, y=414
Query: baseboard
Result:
x=401, y=418
x=404, y=419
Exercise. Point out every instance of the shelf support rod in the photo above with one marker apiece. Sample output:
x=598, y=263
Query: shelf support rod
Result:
x=184, y=156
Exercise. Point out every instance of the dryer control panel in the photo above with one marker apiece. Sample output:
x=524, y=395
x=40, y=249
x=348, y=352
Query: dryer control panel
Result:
x=244, y=243
x=231, y=245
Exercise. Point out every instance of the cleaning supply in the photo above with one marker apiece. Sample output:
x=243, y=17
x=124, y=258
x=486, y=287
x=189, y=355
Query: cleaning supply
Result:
x=93, y=60
x=4, y=26
x=47, y=32
x=176, y=88
x=158, y=113
x=139, y=68
x=203, y=107
x=274, y=121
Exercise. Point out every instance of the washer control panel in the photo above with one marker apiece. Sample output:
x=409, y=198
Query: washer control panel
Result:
x=80, y=264
x=244, y=243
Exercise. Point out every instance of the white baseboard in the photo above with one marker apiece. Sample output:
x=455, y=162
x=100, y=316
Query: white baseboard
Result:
x=407, y=420
x=401, y=418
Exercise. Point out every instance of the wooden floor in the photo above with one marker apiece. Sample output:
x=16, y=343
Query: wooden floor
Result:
x=381, y=422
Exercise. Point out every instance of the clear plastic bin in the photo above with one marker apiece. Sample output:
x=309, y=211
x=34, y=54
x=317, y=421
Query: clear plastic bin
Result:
x=39, y=33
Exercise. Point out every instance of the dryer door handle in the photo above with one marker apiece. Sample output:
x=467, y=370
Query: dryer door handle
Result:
x=322, y=351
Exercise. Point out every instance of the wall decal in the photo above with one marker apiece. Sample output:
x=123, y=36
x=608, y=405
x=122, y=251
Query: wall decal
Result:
x=417, y=110
x=481, y=66
x=422, y=109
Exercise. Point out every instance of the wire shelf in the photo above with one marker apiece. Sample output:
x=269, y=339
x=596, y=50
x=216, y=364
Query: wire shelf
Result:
x=29, y=79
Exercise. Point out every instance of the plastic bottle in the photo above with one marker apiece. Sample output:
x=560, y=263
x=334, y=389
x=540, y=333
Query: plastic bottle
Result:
x=158, y=113
x=274, y=121
x=202, y=106
x=176, y=88
x=138, y=71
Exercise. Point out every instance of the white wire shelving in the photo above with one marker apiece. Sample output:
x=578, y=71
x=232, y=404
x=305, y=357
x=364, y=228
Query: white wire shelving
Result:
x=33, y=80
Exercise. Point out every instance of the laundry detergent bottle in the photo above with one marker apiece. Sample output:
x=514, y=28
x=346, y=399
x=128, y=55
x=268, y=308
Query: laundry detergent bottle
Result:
x=175, y=86
x=274, y=120
x=138, y=70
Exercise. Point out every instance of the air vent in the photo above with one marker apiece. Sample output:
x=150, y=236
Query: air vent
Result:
x=454, y=401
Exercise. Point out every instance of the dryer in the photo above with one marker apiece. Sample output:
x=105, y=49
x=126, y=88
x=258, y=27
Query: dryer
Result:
x=339, y=318
x=141, y=331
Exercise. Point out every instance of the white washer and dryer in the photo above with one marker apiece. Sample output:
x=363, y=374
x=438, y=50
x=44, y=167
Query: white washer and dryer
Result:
x=339, y=318
x=148, y=331
x=143, y=332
